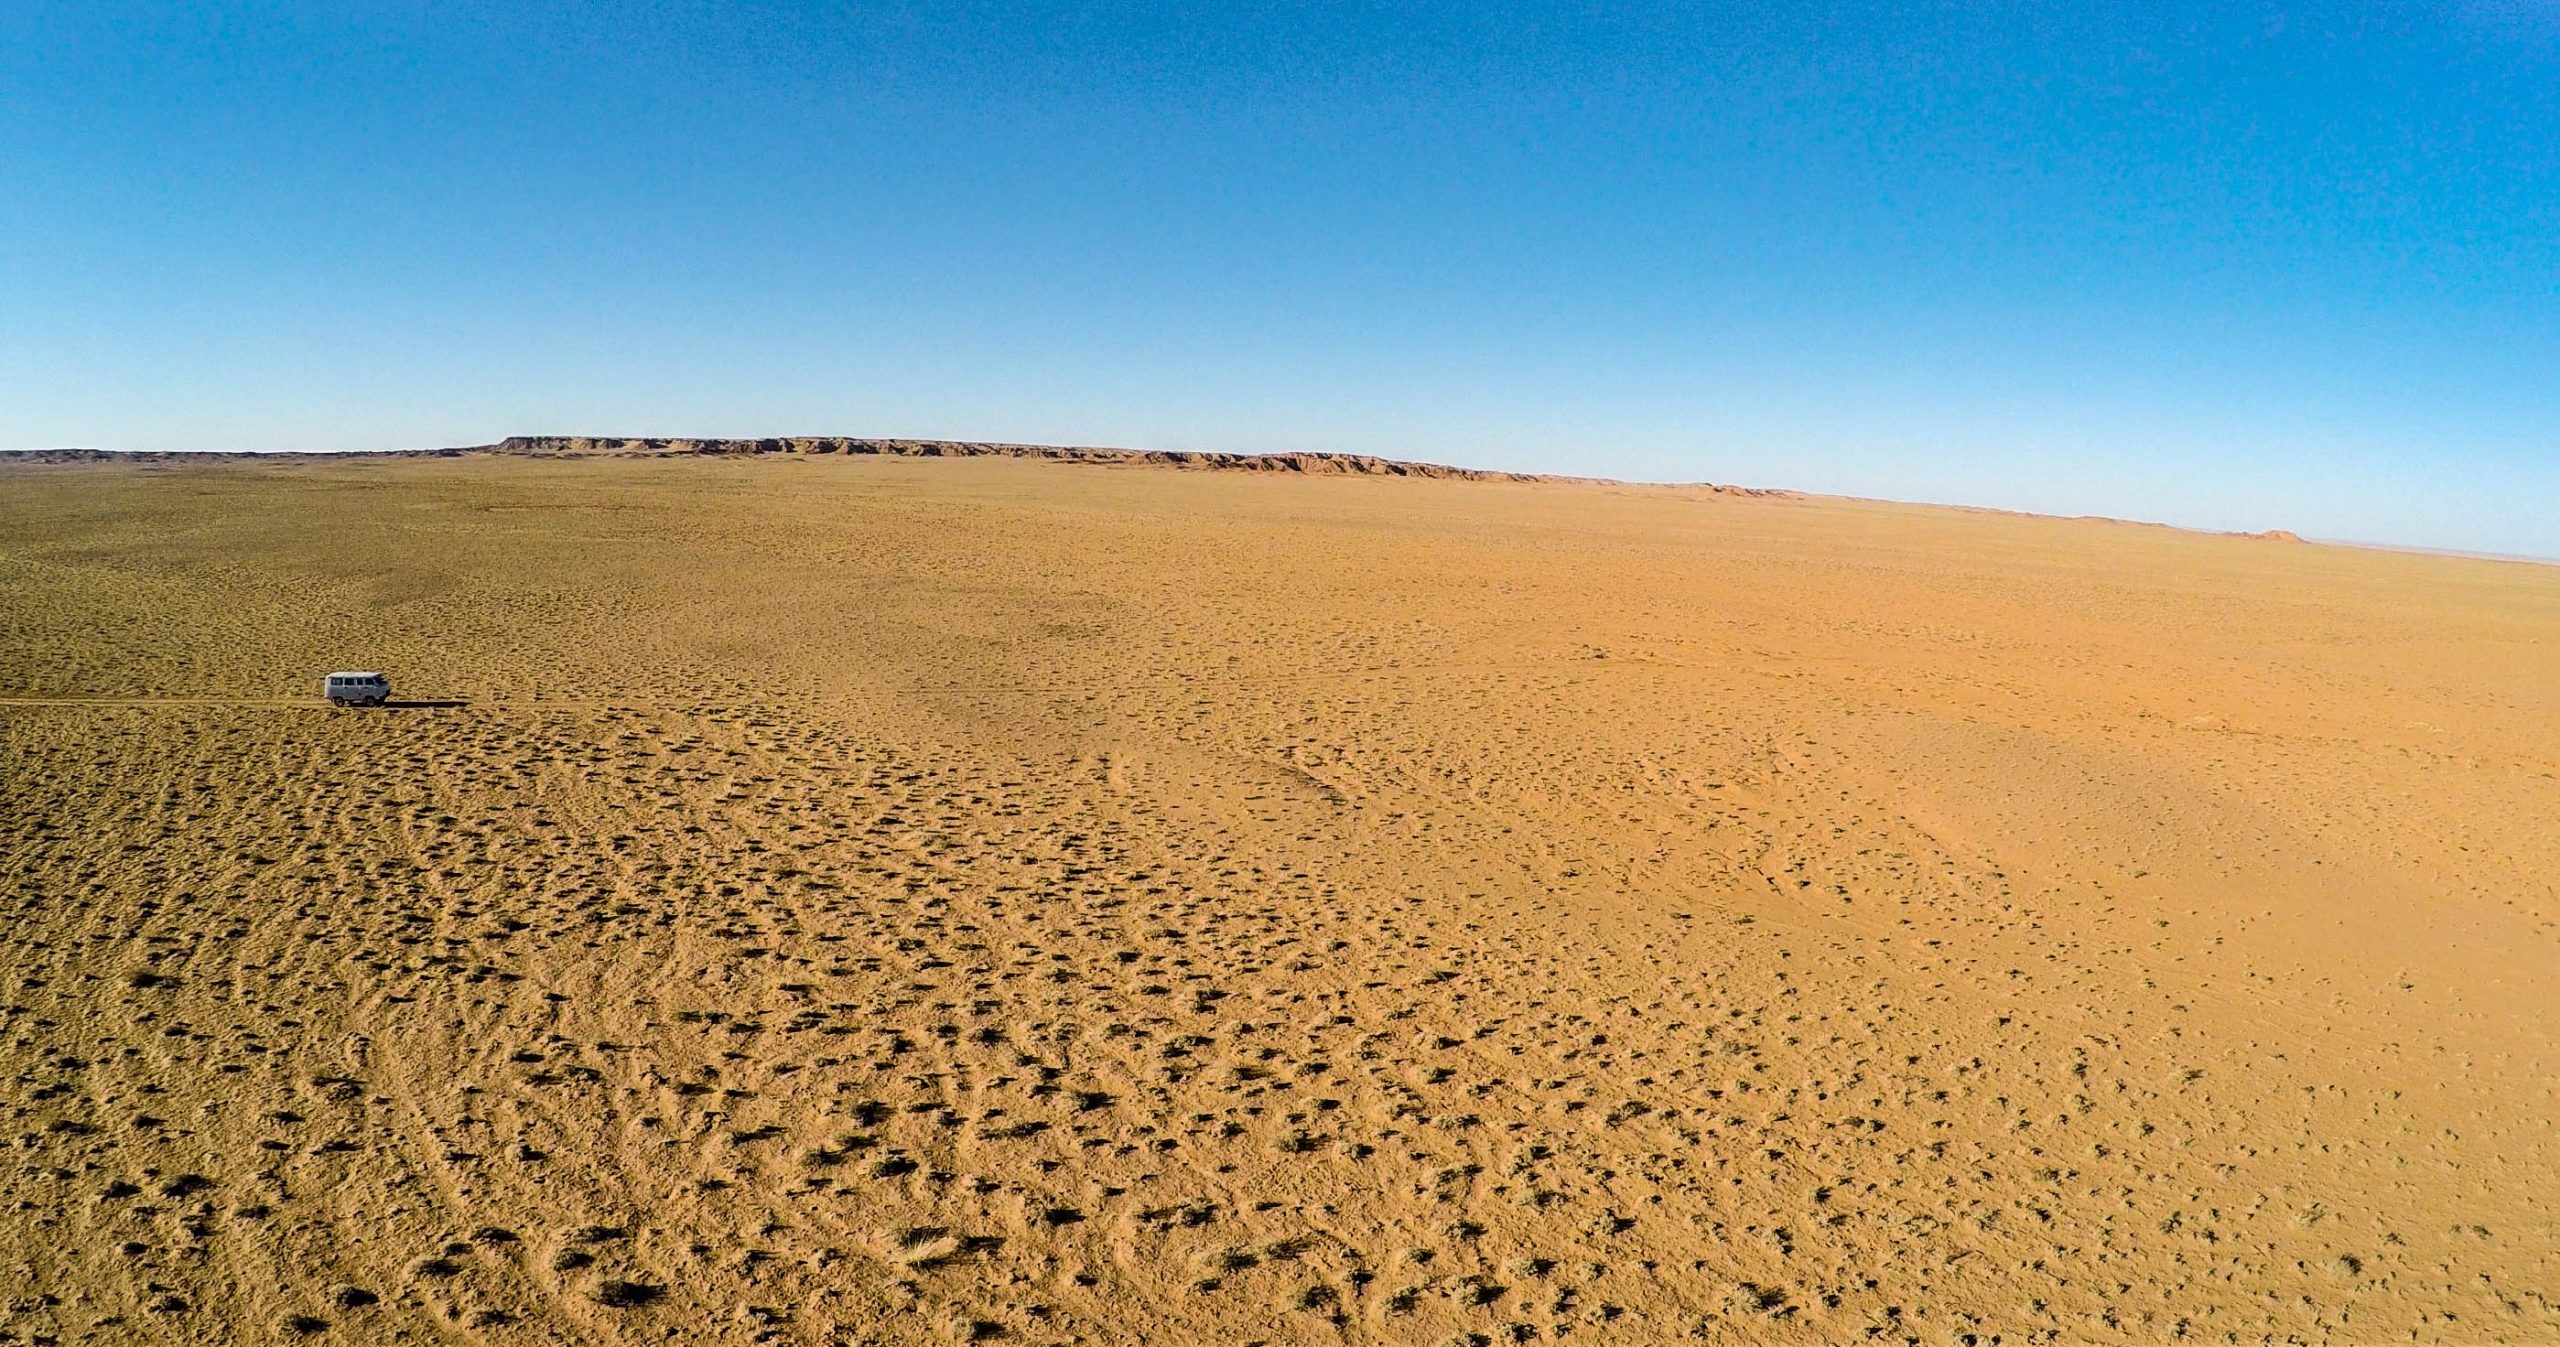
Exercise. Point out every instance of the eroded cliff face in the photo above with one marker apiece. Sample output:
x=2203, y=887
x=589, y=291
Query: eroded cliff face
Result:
x=614, y=446
x=1335, y=464
x=1310, y=464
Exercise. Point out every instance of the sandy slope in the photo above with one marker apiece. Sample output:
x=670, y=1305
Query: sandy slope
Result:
x=922, y=901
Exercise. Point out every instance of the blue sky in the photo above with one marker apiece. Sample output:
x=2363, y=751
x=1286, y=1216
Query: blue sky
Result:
x=2234, y=267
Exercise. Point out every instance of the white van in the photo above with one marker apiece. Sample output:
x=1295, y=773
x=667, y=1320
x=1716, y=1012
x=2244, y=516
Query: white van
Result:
x=365, y=688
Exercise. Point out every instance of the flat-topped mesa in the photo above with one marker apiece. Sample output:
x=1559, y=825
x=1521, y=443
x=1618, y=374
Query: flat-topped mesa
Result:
x=616, y=446
x=587, y=446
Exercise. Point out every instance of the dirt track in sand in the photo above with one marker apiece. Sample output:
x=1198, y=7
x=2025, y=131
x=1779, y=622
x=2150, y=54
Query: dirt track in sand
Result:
x=879, y=900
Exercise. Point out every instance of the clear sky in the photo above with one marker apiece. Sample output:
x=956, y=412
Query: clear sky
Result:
x=2294, y=266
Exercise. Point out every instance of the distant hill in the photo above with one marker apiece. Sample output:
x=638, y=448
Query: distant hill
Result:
x=612, y=446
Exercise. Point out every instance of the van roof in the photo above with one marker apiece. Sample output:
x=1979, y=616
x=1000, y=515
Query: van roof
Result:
x=357, y=673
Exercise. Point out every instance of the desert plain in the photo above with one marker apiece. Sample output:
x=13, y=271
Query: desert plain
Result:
x=871, y=900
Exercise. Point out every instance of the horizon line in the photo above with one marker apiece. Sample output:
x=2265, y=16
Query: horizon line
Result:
x=1215, y=458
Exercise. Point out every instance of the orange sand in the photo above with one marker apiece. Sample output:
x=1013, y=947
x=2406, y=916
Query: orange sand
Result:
x=893, y=901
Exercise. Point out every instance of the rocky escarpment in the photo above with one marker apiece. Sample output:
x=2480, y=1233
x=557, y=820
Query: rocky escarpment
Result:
x=583, y=446
x=608, y=446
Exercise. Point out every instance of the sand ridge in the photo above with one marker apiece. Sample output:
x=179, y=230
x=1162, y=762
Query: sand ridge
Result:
x=862, y=899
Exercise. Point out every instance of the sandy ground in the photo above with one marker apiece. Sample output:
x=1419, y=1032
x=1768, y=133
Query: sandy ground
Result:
x=864, y=901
